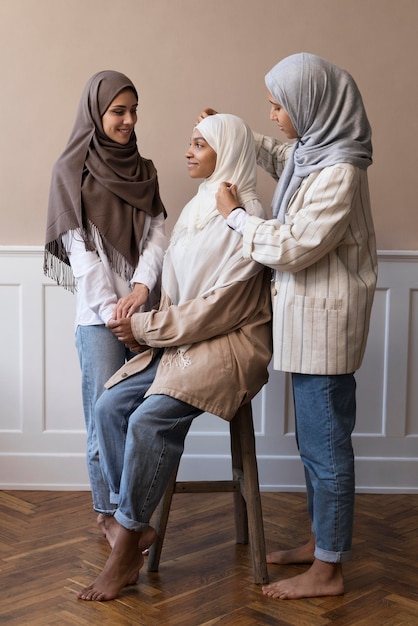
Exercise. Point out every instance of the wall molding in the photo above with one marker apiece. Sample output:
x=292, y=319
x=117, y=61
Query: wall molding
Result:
x=42, y=434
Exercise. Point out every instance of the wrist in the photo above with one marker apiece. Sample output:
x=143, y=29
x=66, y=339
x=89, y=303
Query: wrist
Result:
x=140, y=287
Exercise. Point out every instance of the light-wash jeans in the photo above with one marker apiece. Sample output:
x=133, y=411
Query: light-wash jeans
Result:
x=140, y=440
x=100, y=354
x=325, y=408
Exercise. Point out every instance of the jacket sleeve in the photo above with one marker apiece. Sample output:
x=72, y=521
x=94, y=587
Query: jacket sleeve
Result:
x=311, y=232
x=223, y=311
x=271, y=154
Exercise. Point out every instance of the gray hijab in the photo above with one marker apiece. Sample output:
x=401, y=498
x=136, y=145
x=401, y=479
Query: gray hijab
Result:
x=327, y=111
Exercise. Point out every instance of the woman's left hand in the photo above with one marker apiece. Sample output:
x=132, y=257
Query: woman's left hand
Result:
x=226, y=199
x=128, y=305
x=205, y=113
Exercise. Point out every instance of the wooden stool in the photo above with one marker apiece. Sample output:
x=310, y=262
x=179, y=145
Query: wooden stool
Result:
x=244, y=485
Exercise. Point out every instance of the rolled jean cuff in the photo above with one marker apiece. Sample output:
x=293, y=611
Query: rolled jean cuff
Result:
x=104, y=511
x=130, y=524
x=332, y=557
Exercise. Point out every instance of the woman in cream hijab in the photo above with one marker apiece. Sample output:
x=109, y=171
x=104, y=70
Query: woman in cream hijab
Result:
x=208, y=344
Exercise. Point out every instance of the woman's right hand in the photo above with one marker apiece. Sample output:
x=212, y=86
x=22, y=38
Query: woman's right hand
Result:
x=205, y=113
x=226, y=199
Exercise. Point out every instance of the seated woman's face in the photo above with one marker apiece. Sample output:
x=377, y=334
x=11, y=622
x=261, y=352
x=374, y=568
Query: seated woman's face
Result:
x=201, y=158
x=120, y=118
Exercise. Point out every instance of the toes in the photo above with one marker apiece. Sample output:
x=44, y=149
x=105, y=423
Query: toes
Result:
x=91, y=594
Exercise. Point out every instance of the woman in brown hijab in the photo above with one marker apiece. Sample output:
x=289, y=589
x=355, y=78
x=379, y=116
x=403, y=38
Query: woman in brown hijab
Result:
x=105, y=239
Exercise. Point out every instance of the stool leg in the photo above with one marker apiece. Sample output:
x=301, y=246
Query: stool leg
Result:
x=252, y=495
x=247, y=501
x=160, y=526
x=240, y=507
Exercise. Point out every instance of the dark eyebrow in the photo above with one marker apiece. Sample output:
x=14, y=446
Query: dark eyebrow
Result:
x=199, y=139
x=122, y=106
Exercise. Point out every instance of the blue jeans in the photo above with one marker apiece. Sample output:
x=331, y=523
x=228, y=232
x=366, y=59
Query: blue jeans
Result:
x=141, y=440
x=325, y=409
x=100, y=354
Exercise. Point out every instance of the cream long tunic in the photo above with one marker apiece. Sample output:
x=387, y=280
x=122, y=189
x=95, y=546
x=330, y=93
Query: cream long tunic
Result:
x=325, y=266
x=217, y=346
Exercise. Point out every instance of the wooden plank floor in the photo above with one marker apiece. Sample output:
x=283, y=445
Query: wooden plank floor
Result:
x=50, y=547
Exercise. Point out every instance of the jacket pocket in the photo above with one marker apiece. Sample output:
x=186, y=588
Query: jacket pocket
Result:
x=320, y=304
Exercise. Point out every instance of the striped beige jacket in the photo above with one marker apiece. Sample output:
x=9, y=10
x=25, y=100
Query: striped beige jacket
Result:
x=325, y=266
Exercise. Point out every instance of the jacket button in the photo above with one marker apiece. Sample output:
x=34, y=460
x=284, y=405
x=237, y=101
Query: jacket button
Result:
x=124, y=375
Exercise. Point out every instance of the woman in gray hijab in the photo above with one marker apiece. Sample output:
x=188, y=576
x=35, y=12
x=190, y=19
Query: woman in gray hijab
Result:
x=320, y=246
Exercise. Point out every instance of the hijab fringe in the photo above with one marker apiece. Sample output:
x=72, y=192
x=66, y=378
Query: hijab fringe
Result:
x=57, y=269
x=57, y=265
x=119, y=264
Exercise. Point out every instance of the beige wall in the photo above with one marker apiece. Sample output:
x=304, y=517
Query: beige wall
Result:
x=184, y=55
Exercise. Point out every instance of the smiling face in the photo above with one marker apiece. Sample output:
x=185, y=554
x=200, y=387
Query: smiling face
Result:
x=201, y=158
x=279, y=115
x=120, y=118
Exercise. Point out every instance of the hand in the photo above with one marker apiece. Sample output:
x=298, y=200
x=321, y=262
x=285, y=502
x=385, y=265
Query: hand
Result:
x=123, y=331
x=205, y=113
x=137, y=347
x=128, y=305
x=226, y=199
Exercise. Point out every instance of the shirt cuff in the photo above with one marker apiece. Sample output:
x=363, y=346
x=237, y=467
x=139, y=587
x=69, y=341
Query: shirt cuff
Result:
x=251, y=225
x=237, y=220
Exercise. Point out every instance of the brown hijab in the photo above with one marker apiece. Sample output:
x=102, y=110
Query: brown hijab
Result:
x=99, y=185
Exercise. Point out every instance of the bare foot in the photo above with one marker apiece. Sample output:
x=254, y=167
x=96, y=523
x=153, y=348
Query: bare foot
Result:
x=109, y=527
x=302, y=554
x=101, y=522
x=147, y=539
x=321, y=579
x=122, y=567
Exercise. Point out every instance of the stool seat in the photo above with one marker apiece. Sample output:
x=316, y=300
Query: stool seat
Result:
x=246, y=494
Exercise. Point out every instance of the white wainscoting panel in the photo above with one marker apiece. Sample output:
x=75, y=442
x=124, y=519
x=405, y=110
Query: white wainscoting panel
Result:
x=42, y=436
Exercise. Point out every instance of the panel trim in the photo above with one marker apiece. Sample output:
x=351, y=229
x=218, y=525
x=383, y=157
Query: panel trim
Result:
x=41, y=455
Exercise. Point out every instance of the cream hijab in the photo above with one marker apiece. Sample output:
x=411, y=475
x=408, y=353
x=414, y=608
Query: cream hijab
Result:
x=204, y=254
x=327, y=111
